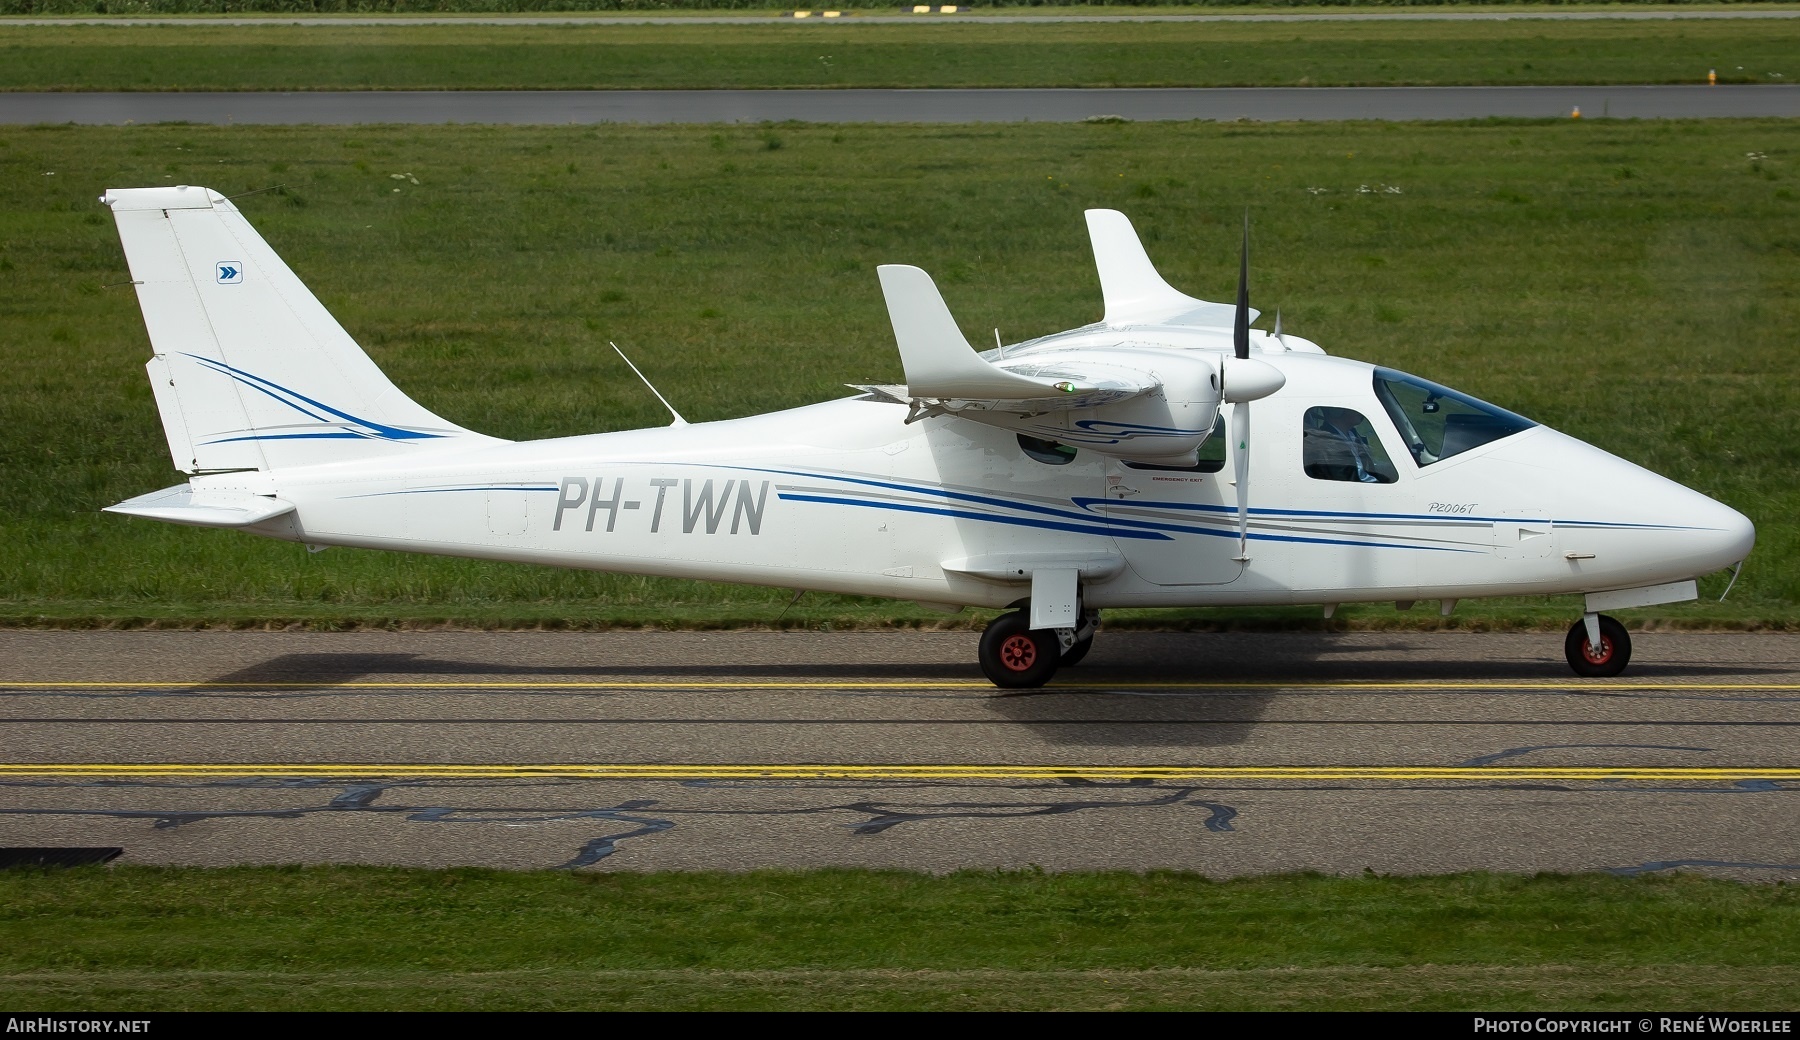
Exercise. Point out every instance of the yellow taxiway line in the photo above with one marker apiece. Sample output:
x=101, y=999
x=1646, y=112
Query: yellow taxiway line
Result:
x=1583, y=685
x=635, y=771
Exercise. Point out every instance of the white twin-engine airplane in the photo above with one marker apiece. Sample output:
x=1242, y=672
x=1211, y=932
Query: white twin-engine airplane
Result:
x=1058, y=476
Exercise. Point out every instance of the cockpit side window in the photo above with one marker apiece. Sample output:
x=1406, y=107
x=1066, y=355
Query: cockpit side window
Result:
x=1050, y=453
x=1339, y=444
x=1211, y=454
x=1437, y=422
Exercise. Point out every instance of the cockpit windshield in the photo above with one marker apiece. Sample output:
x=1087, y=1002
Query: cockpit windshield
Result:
x=1438, y=422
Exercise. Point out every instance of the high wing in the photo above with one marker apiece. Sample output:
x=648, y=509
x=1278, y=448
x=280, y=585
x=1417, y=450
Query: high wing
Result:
x=1115, y=399
x=1135, y=294
x=941, y=366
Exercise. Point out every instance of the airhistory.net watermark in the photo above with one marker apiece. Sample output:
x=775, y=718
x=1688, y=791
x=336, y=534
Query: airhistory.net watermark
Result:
x=47, y=1024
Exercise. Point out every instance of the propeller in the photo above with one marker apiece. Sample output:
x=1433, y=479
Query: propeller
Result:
x=1243, y=379
x=1240, y=325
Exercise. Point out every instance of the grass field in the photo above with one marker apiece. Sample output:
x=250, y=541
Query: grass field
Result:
x=290, y=57
x=1632, y=284
x=601, y=10
x=370, y=938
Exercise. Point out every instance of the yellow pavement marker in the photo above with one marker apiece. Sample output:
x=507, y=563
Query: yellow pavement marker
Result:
x=659, y=771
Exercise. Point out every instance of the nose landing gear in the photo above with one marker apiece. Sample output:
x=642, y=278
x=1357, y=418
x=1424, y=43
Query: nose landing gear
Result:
x=1608, y=657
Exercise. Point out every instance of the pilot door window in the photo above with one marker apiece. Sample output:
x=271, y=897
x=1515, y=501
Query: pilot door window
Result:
x=1339, y=444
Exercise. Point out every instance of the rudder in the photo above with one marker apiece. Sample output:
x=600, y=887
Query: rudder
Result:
x=249, y=369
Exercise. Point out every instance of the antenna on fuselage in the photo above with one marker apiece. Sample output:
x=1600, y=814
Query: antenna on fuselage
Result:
x=1735, y=571
x=679, y=421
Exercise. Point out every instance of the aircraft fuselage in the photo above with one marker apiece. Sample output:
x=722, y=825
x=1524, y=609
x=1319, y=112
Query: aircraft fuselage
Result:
x=844, y=496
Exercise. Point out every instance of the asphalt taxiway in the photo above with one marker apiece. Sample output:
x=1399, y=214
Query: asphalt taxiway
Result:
x=1229, y=754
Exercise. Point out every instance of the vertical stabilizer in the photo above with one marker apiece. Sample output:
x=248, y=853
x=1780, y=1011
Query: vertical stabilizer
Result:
x=249, y=369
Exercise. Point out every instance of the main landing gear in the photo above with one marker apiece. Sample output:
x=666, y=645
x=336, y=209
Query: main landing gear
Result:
x=1017, y=656
x=1607, y=657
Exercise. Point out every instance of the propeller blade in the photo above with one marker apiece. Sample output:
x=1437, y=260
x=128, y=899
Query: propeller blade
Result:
x=1261, y=385
x=1240, y=436
x=1240, y=330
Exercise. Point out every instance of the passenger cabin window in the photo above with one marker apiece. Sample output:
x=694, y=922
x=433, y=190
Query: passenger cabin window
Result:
x=1339, y=444
x=1050, y=453
x=1437, y=422
x=1211, y=454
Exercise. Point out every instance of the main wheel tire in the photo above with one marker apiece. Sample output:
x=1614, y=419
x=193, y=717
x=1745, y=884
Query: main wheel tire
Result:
x=1610, y=658
x=1016, y=656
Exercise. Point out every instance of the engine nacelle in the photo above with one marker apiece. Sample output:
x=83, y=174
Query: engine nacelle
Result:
x=1167, y=423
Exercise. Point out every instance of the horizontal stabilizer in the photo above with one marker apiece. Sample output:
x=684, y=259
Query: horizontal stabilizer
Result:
x=937, y=357
x=181, y=504
x=1135, y=294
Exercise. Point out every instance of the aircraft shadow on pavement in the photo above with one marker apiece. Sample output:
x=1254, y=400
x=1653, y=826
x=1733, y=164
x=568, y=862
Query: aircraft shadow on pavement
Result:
x=1317, y=657
x=1297, y=657
x=1094, y=705
x=336, y=668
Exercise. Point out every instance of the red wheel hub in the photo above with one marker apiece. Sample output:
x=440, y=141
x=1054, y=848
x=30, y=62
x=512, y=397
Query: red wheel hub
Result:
x=1599, y=655
x=1018, y=653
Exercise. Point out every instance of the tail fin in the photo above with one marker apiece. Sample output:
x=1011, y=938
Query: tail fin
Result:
x=249, y=369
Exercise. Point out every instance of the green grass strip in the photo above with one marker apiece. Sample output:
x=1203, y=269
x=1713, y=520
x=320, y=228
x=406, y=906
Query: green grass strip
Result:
x=288, y=57
x=1553, y=987
x=364, y=937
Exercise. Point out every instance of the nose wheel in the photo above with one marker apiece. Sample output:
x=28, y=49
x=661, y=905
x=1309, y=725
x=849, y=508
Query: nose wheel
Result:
x=1608, y=658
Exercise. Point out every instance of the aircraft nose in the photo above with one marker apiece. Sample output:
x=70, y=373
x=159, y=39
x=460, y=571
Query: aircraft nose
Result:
x=1639, y=528
x=1722, y=535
